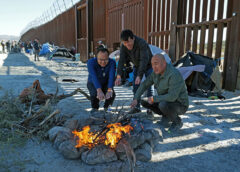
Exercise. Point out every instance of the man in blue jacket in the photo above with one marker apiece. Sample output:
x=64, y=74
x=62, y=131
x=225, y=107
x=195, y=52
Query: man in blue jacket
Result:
x=101, y=79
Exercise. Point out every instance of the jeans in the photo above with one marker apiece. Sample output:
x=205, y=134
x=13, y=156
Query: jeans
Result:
x=150, y=91
x=95, y=100
x=171, y=110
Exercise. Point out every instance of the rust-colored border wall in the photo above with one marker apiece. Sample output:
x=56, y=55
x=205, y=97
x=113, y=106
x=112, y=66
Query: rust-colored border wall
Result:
x=123, y=14
x=99, y=23
x=60, y=31
x=170, y=24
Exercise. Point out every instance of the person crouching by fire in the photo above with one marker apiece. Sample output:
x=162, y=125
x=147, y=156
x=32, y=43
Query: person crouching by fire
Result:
x=172, y=98
x=101, y=79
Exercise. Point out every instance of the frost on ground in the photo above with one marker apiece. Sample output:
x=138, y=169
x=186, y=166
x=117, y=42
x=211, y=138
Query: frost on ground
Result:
x=208, y=141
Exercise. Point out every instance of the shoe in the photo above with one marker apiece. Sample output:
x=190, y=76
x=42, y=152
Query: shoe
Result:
x=150, y=115
x=134, y=110
x=164, y=122
x=175, y=126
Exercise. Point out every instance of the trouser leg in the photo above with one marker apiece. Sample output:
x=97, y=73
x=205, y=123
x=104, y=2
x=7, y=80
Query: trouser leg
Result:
x=37, y=54
x=150, y=90
x=135, y=87
x=172, y=110
x=154, y=107
x=93, y=95
x=109, y=101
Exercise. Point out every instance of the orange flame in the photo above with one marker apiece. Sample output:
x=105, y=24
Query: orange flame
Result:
x=115, y=133
x=112, y=137
x=84, y=137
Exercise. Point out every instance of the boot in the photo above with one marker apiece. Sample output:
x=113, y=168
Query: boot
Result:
x=176, y=125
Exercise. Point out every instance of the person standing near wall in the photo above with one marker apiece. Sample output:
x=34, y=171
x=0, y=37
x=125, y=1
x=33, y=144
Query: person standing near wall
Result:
x=8, y=46
x=36, y=47
x=3, y=46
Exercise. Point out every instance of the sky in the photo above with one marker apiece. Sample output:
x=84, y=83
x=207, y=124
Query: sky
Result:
x=16, y=14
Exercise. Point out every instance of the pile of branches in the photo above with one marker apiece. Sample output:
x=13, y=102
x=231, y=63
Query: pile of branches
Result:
x=34, y=111
x=35, y=94
x=15, y=118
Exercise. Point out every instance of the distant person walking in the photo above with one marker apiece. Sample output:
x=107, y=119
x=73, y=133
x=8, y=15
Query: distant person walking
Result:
x=36, y=47
x=3, y=46
x=8, y=46
x=30, y=47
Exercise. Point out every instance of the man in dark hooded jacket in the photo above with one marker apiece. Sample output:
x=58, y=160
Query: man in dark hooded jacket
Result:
x=135, y=50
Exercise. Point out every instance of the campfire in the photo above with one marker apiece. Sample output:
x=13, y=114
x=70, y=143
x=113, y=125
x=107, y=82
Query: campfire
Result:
x=113, y=133
x=125, y=138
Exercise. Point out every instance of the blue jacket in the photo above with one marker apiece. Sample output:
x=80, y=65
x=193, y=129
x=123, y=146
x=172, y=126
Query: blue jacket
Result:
x=100, y=76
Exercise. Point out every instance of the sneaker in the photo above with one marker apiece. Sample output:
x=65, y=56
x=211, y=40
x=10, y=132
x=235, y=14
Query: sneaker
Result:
x=175, y=126
x=134, y=110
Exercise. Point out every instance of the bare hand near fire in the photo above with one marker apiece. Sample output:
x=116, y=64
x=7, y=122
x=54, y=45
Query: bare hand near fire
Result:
x=118, y=80
x=109, y=94
x=150, y=100
x=138, y=80
x=134, y=103
x=100, y=94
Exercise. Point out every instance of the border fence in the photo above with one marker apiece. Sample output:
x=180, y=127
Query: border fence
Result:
x=207, y=27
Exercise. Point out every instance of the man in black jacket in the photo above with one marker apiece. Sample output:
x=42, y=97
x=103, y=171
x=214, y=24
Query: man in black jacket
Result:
x=136, y=50
x=36, y=47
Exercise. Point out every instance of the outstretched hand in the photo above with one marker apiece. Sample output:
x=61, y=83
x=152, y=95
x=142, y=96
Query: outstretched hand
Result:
x=134, y=103
x=109, y=94
x=100, y=94
x=150, y=100
x=138, y=80
x=118, y=80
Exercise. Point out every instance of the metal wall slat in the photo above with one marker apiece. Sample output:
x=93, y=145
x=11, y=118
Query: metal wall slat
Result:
x=210, y=40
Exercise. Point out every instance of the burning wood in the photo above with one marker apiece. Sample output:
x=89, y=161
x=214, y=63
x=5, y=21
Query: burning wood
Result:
x=115, y=133
x=110, y=136
x=108, y=141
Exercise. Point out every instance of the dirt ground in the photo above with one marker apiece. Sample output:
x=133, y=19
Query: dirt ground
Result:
x=208, y=141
